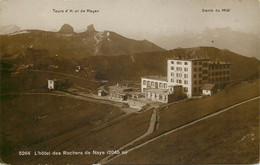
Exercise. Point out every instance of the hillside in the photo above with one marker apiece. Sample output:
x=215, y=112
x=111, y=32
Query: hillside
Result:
x=130, y=67
x=142, y=64
x=68, y=44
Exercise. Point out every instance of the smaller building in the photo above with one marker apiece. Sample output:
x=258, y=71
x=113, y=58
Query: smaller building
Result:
x=61, y=85
x=54, y=84
x=119, y=92
x=155, y=82
x=101, y=92
x=209, y=89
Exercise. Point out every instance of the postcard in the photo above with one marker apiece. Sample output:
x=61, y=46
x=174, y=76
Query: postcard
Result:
x=129, y=82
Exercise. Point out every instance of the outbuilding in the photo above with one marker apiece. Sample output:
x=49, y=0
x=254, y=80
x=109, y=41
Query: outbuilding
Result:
x=101, y=92
x=208, y=89
x=54, y=84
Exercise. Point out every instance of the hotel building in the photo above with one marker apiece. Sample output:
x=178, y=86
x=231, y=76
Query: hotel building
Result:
x=191, y=74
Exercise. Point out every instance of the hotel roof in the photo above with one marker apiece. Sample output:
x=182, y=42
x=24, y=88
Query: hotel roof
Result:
x=191, y=59
x=208, y=86
x=159, y=91
x=219, y=62
x=159, y=78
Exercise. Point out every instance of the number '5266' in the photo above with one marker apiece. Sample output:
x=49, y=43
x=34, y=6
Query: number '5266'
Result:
x=24, y=153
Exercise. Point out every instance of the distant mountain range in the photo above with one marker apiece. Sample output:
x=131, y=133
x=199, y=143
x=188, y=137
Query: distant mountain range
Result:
x=246, y=44
x=108, y=55
x=67, y=43
x=9, y=29
x=92, y=42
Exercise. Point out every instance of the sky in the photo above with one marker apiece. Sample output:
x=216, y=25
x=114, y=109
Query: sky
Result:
x=133, y=18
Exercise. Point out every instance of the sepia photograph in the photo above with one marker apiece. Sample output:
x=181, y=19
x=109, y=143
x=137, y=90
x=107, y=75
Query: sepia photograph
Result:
x=93, y=82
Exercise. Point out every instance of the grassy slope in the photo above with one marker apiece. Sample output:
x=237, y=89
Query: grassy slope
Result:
x=179, y=114
x=231, y=137
x=29, y=120
x=29, y=80
x=106, y=137
x=176, y=115
x=109, y=138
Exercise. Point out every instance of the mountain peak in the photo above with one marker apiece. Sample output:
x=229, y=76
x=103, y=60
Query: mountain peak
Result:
x=91, y=28
x=66, y=28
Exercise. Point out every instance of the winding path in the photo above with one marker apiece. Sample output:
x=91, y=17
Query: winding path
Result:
x=150, y=130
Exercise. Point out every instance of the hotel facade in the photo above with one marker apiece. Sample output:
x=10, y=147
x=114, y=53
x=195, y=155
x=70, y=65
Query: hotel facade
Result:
x=191, y=74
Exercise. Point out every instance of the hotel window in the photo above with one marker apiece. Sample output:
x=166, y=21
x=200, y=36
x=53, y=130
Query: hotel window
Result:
x=200, y=82
x=172, y=74
x=185, y=89
x=179, y=75
x=200, y=63
x=195, y=63
x=144, y=82
x=185, y=63
x=195, y=69
x=160, y=97
x=172, y=80
x=185, y=82
x=200, y=69
x=213, y=73
x=224, y=78
x=172, y=62
x=224, y=66
x=172, y=68
x=195, y=76
x=195, y=90
x=205, y=64
x=152, y=83
x=204, y=71
x=160, y=85
x=185, y=69
x=165, y=85
x=200, y=75
x=179, y=63
x=212, y=80
x=179, y=68
x=185, y=75
x=148, y=83
x=195, y=82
